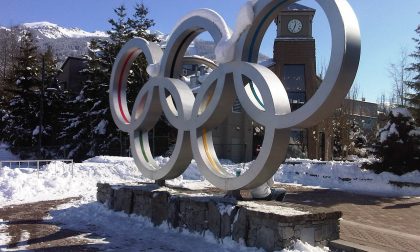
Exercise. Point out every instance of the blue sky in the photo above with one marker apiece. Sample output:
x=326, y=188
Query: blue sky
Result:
x=386, y=26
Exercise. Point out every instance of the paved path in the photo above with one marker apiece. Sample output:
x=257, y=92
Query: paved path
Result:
x=388, y=224
x=28, y=231
x=385, y=224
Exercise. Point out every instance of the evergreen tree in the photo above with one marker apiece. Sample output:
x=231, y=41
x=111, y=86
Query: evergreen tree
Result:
x=50, y=68
x=30, y=116
x=398, y=144
x=9, y=48
x=53, y=99
x=140, y=23
x=358, y=140
x=27, y=65
x=414, y=97
x=23, y=108
x=90, y=130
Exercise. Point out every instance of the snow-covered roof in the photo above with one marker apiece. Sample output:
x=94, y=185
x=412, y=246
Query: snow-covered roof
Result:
x=71, y=58
x=298, y=7
x=267, y=63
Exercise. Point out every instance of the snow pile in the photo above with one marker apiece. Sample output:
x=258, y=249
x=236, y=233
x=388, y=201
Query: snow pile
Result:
x=347, y=176
x=59, y=180
x=4, y=238
x=119, y=230
x=300, y=246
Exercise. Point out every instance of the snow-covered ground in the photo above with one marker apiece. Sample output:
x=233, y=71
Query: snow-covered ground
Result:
x=347, y=176
x=59, y=180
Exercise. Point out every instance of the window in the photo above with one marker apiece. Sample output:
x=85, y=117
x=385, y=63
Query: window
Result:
x=294, y=82
x=237, y=107
x=298, y=144
x=294, y=78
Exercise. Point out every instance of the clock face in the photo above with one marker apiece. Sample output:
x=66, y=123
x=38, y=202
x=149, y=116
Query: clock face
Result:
x=295, y=26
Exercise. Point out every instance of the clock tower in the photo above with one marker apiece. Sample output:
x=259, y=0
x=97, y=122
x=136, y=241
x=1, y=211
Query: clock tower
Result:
x=294, y=53
x=295, y=64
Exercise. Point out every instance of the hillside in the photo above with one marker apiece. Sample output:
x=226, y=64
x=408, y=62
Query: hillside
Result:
x=75, y=41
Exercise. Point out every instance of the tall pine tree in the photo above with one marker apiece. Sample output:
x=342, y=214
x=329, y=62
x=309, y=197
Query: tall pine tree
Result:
x=23, y=108
x=53, y=101
x=90, y=129
x=414, y=97
x=30, y=116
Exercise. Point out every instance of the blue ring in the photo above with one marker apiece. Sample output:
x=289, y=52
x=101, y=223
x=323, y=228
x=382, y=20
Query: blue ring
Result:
x=253, y=44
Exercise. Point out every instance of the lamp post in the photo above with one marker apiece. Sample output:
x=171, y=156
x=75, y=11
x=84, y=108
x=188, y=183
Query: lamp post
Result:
x=41, y=110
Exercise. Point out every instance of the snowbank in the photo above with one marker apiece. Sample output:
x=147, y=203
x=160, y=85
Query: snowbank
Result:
x=4, y=238
x=58, y=180
x=346, y=176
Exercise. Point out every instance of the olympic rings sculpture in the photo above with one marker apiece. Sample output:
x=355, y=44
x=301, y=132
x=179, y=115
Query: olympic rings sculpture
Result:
x=260, y=92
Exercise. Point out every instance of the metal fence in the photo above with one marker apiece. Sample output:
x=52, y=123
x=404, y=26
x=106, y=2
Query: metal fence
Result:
x=39, y=165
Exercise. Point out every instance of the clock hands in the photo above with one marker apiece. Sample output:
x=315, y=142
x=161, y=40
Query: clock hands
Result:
x=294, y=27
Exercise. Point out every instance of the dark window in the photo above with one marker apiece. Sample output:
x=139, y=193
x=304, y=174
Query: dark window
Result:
x=294, y=78
x=298, y=144
x=237, y=107
x=294, y=82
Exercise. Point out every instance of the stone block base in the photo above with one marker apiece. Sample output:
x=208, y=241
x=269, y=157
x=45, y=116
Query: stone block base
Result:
x=268, y=225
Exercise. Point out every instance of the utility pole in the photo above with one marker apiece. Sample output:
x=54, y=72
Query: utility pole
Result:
x=41, y=110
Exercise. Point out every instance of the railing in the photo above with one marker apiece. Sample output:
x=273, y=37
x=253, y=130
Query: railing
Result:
x=35, y=164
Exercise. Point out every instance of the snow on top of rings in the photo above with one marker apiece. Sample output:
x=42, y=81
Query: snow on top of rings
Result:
x=225, y=49
x=210, y=15
x=153, y=69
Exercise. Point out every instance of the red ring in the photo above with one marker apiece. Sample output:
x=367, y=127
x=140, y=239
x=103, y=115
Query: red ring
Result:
x=120, y=85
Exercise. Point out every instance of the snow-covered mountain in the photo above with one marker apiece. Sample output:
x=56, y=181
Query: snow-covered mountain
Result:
x=53, y=31
x=65, y=42
x=74, y=42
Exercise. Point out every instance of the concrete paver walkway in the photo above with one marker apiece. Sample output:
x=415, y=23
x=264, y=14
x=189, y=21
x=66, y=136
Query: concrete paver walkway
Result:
x=388, y=224
x=382, y=224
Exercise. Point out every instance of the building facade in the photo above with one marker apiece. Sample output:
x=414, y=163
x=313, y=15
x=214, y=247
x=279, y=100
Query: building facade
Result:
x=71, y=78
